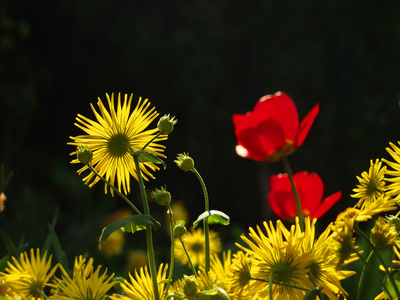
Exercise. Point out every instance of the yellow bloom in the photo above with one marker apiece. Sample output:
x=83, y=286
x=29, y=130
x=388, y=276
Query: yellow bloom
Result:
x=140, y=287
x=278, y=255
x=393, y=189
x=30, y=275
x=240, y=277
x=194, y=243
x=383, y=235
x=372, y=184
x=113, y=137
x=85, y=284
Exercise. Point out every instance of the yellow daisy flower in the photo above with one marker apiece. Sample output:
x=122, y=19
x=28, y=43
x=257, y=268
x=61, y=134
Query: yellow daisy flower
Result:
x=112, y=138
x=30, y=275
x=393, y=189
x=372, y=184
x=240, y=277
x=194, y=243
x=85, y=284
x=278, y=254
x=140, y=287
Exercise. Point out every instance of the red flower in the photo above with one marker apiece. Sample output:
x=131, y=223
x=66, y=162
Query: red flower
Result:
x=310, y=189
x=272, y=129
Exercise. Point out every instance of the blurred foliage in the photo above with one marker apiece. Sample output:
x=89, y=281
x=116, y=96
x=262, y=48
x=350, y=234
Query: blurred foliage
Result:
x=201, y=61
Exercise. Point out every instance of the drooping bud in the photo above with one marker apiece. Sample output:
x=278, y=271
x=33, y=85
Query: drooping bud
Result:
x=162, y=196
x=84, y=154
x=383, y=234
x=184, y=162
x=179, y=229
x=166, y=124
x=189, y=285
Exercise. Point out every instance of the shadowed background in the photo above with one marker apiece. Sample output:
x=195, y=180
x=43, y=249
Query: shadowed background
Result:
x=201, y=61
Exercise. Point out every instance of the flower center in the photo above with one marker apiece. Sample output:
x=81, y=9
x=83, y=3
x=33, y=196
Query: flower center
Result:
x=36, y=289
x=118, y=145
x=283, y=271
x=197, y=247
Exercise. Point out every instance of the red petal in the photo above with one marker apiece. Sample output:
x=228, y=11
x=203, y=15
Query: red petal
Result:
x=281, y=198
x=306, y=124
x=280, y=107
x=310, y=188
x=264, y=139
x=326, y=204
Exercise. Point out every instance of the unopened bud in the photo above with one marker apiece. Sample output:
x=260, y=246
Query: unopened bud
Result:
x=162, y=196
x=84, y=154
x=179, y=229
x=166, y=124
x=184, y=162
x=189, y=286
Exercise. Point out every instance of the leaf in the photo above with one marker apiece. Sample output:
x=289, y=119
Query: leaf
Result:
x=60, y=254
x=214, y=217
x=129, y=224
x=144, y=156
x=8, y=242
x=216, y=293
x=389, y=286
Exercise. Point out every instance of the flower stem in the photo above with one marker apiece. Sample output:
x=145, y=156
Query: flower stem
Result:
x=137, y=211
x=362, y=276
x=288, y=170
x=148, y=143
x=149, y=231
x=373, y=248
x=205, y=223
x=188, y=256
x=171, y=266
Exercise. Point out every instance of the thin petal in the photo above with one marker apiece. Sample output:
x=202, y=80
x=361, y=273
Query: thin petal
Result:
x=281, y=198
x=310, y=188
x=325, y=205
x=306, y=124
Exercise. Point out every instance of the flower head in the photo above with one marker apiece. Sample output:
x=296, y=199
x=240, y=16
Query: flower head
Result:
x=184, y=162
x=272, y=129
x=140, y=286
x=393, y=189
x=162, y=196
x=85, y=284
x=310, y=188
x=166, y=124
x=112, y=138
x=30, y=275
x=372, y=184
x=194, y=243
x=383, y=234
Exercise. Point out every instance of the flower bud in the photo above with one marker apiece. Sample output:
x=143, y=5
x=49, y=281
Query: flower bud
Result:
x=383, y=234
x=84, y=154
x=162, y=196
x=166, y=124
x=189, y=286
x=179, y=229
x=184, y=162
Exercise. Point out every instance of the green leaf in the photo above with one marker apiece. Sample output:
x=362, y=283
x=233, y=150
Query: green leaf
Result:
x=129, y=224
x=144, y=156
x=389, y=286
x=214, y=217
x=8, y=242
x=59, y=253
x=216, y=293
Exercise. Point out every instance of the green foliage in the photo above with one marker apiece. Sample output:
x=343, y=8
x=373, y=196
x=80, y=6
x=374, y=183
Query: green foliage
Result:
x=144, y=156
x=214, y=217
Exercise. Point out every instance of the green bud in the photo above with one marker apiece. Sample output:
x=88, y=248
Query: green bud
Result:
x=84, y=154
x=189, y=286
x=166, y=124
x=162, y=196
x=184, y=162
x=118, y=280
x=179, y=229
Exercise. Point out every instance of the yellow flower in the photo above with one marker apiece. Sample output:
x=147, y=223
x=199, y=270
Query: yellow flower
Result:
x=383, y=235
x=194, y=243
x=372, y=184
x=278, y=256
x=393, y=189
x=113, y=137
x=140, y=287
x=85, y=284
x=113, y=244
x=240, y=276
x=30, y=275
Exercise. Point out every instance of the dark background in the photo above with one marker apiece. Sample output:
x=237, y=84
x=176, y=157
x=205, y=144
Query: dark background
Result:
x=201, y=61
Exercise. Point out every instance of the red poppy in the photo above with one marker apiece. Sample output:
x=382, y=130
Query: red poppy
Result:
x=272, y=129
x=310, y=189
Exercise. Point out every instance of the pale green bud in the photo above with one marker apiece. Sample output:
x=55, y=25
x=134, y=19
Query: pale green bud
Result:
x=162, y=196
x=184, y=162
x=84, y=154
x=166, y=124
x=189, y=286
x=179, y=229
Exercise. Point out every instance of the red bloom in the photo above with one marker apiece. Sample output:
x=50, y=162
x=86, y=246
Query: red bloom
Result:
x=310, y=189
x=272, y=129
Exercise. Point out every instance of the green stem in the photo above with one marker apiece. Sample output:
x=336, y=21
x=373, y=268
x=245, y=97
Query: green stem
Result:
x=149, y=231
x=288, y=170
x=362, y=276
x=373, y=248
x=188, y=256
x=270, y=281
x=373, y=272
x=148, y=143
x=137, y=211
x=320, y=294
x=171, y=266
x=205, y=223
